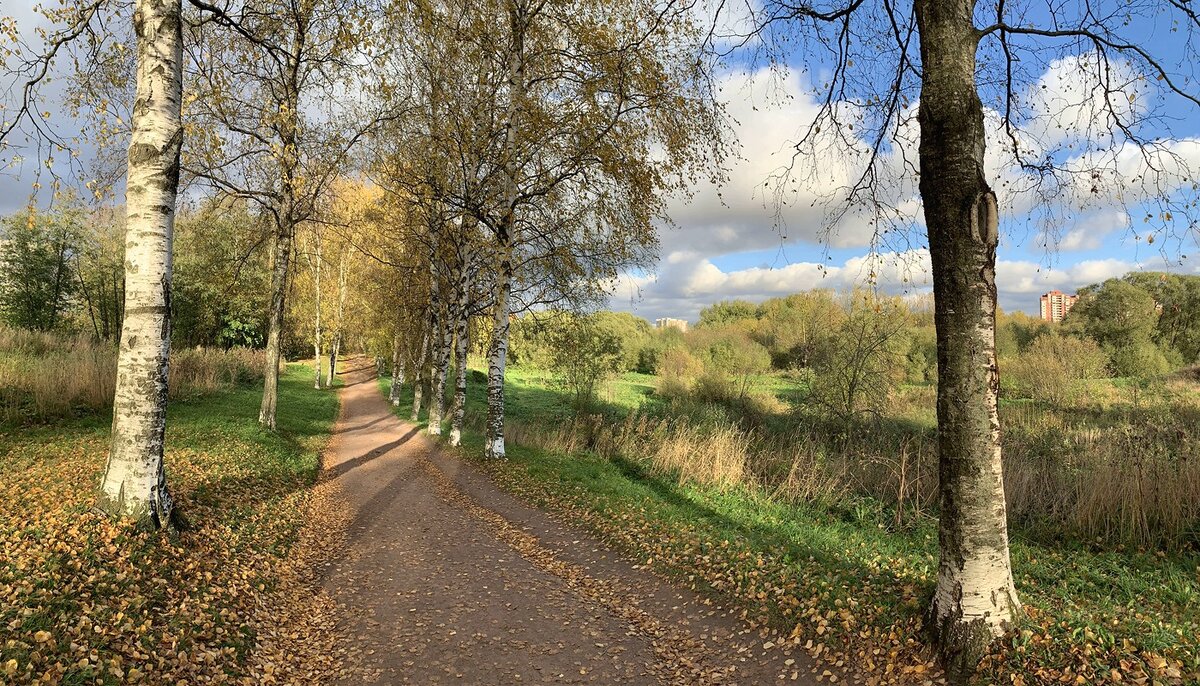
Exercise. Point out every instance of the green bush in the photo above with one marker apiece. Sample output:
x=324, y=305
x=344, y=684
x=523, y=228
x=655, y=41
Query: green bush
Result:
x=864, y=360
x=1052, y=368
x=1140, y=359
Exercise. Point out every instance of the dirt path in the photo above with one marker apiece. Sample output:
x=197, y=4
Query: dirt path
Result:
x=447, y=579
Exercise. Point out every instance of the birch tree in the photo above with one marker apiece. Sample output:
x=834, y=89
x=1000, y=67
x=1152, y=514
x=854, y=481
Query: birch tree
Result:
x=924, y=110
x=134, y=483
x=276, y=117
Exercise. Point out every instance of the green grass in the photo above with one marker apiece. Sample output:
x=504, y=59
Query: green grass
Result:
x=842, y=577
x=243, y=491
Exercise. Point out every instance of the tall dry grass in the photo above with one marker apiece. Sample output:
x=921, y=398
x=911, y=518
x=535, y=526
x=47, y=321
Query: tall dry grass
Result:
x=1124, y=472
x=47, y=376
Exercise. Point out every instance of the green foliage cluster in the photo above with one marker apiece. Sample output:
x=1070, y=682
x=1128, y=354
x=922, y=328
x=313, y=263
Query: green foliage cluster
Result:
x=62, y=270
x=37, y=278
x=584, y=351
x=1148, y=323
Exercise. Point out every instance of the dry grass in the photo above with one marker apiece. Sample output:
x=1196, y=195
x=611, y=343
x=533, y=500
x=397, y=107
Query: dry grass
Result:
x=46, y=376
x=1120, y=470
x=710, y=458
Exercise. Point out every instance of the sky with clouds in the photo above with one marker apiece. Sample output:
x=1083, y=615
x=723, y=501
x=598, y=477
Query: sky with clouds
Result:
x=736, y=245
x=734, y=242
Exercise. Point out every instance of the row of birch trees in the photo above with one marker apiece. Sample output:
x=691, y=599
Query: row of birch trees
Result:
x=542, y=144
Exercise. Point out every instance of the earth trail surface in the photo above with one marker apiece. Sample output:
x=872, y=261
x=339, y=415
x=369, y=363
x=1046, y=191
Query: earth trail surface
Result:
x=445, y=578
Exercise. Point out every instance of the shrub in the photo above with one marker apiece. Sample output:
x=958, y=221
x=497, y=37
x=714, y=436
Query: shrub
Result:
x=1140, y=359
x=1052, y=368
x=864, y=360
x=583, y=355
x=678, y=371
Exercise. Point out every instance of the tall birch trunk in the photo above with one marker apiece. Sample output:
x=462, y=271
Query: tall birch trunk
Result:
x=432, y=362
x=437, y=403
x=317, y=327
x=458, y=409
x=974, y=601
x=506, y=237
x=498, y=355
x=418, y=380
x=282, y=251
x=397, y=372
x=134, y=483
x=285, y=231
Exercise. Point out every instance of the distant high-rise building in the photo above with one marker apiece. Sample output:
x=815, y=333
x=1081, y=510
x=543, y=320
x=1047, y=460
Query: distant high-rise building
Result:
x=669, y=323
x=1056, y=305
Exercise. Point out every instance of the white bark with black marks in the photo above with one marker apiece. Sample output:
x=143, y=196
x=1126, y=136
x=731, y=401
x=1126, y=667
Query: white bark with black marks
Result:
x=506, y=235
x=497, y=357
x=975, y=600
x=317, y=325
x=462, y=339
x=134, y=484
x=418, y=381
x=441, y=371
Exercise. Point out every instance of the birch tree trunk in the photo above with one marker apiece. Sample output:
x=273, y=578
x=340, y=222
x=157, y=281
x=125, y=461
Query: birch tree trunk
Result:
x=497, y=356
x=397, y=372
x=974, y=601
x=437, y=404
x=134, y=483
x=317, y=328
x=506, y=236
x=282, y=251
x=418, y=381
x=435, y=335
x=461, y=340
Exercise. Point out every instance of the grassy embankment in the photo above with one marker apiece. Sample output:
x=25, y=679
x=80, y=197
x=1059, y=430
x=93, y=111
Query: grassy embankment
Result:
x=84, y=600
x=838, y=573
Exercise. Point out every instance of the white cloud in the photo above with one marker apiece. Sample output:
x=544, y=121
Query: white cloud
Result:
x=1090, y=231
x=683, y=287
x=771, y=110
x=1102, y=192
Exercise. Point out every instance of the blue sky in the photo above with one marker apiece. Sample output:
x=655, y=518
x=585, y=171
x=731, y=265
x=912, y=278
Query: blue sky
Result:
x=727, y=242
x=1078, y=236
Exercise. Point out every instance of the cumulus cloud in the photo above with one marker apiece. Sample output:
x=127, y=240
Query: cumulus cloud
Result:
x=687, y=285
x=1102, y=189
x=1089, y=231
x=770, y=110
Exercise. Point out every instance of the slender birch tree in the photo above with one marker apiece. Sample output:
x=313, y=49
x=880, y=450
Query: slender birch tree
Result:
x=134, y=483
x=275, y=119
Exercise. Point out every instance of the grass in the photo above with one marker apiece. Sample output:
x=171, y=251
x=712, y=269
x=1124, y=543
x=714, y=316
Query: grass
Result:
x=84, y=599
x=842, y=580
x=51, y=376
